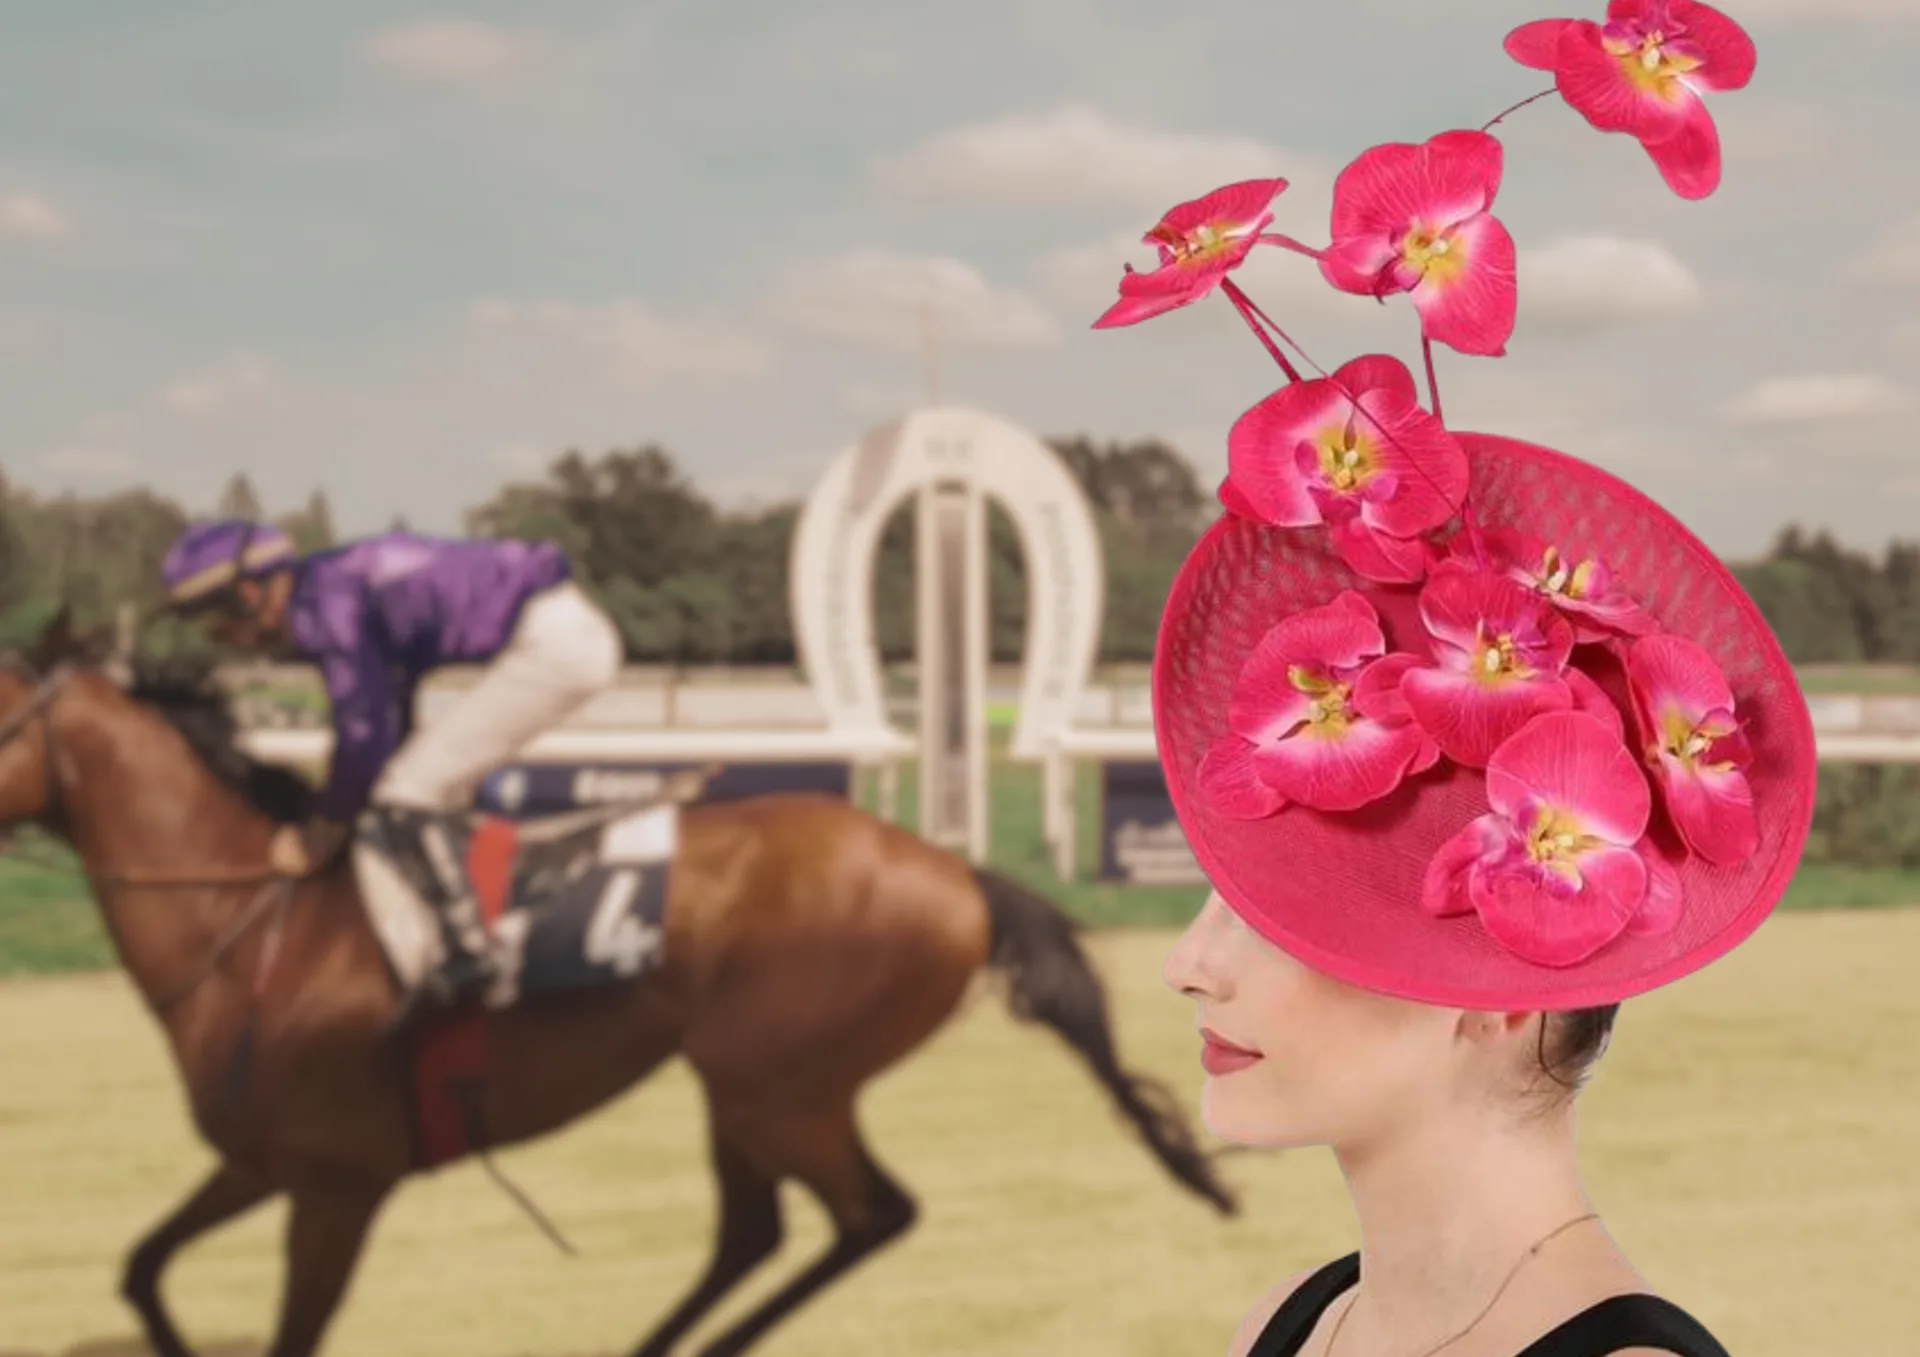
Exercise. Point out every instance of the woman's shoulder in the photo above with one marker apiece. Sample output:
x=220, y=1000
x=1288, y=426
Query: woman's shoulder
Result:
x=1262, y=1313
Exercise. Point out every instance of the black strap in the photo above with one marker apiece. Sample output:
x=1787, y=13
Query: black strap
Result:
x=1621, y=1322
x=1610, y=1326
x=1291, y=1324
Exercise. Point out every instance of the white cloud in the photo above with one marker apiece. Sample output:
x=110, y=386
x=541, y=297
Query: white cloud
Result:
x=626, y=340
x=229, y=380
x=455, y=50
x=1077, y=156
x=1579, y=284
x=1894, y=258
x=1906, y=335
x=1817, y=396
x=872, y=297
x=31, y=216
x=85, y=460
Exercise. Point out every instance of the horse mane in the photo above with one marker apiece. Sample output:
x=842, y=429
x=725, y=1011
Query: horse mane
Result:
x=195, y=705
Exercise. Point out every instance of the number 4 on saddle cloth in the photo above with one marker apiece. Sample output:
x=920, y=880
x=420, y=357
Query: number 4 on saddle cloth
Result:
x=568, y=902
x=571, y=902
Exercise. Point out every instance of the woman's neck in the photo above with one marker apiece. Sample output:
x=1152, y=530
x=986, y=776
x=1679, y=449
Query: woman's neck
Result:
x=1446, y=1214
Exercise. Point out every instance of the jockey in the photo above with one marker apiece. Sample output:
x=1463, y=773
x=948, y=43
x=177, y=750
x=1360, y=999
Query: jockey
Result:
x=376, y=616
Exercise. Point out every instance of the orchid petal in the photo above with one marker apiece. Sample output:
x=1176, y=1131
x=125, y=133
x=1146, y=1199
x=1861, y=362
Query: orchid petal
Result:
x=1671, y=673
x=1712, y=809
x=1389, y=188
x=1133, y=310
x=1337, y=771
x=1469, y=719
x=1456, y=603
x=1536, y=44
x=1379, y=557
x=1660, y=911
x=1228, y=780
x=1558, y=927
x=1592, y=82
x=1443, y=890
x=1472, y=311
x=1689, y=159
x=1576, y=765
x=1261, y=450
x=1588, y=697
x=1234, y=501
x=1729, y=52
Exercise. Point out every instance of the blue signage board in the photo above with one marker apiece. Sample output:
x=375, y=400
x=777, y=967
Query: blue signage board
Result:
x=1141, y=842
x=526, y=790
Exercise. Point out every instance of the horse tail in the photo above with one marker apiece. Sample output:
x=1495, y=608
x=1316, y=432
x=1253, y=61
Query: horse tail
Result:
x=1051, y=982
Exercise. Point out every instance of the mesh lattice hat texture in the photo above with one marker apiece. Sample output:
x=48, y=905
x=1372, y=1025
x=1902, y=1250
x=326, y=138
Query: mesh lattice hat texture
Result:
x=1342, y=890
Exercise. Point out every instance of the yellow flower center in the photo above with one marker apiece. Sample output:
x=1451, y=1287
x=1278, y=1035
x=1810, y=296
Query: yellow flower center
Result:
x=1436, y=254
x=1648, y=63
x=1555, y=840
x=1497, y=657
x=1688, y=742
x=1555, y=576
x=1203, y=240
x=1327, y=713
x=1347, y=458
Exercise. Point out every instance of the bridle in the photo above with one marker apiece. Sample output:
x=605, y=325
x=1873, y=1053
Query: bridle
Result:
x=37, y=714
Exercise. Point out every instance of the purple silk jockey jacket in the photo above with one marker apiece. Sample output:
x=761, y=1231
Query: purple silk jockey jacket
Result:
x=379, y=614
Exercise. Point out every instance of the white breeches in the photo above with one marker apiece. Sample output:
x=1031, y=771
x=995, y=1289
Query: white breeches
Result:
x=563, y=650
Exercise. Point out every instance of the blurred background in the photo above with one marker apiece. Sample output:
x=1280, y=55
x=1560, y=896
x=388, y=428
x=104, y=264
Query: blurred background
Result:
x=630, y=277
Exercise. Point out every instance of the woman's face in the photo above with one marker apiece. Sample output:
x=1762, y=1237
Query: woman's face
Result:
x=1319, y=1062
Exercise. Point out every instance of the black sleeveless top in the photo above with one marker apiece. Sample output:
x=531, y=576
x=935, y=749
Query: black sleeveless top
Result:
x=1636, y=1321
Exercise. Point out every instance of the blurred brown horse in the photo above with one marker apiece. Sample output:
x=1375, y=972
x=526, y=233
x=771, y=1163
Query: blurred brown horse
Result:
x=809, y=946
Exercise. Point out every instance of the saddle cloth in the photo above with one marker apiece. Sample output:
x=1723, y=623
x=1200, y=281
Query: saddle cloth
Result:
x=569, y=902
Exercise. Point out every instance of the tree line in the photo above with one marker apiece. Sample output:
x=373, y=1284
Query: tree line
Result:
x=686, y=581
x=689, y=582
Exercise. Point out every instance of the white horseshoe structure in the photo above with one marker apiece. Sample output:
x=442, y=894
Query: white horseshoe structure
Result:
x=952, y=459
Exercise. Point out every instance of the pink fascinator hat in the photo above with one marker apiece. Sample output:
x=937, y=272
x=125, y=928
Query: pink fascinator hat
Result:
x=1450, y=715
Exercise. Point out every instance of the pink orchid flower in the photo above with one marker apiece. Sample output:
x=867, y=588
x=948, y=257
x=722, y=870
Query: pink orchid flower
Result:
x=1642, y=73
x=1583, y=590
x=1200, y=243
x=1558, y=868
x=1500, y=655
x=1694, y=745
x=1316, y=718
x=1414, y=219
x=1356, y=452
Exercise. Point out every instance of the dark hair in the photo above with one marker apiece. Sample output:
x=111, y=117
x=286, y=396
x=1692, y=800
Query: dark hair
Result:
x=1571, y=1043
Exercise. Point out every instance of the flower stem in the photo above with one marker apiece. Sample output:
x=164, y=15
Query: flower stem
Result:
x=1433, y=383
x=1501, y=116
x=1289, y=243
x=1247, y=312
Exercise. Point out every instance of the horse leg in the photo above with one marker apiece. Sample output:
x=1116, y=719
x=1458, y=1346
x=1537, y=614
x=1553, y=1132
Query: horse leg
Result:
x=326, y=1232
x=227, y=1192
x=868, y=1209
x=750, y=1233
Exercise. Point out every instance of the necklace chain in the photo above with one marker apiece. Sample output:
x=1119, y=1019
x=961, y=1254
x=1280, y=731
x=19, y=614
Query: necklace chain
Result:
x=1525, y=1258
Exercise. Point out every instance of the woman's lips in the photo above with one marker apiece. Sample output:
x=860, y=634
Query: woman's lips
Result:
x=1220, y=1056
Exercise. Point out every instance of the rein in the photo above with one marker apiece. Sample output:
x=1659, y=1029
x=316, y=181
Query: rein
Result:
x=37, y=714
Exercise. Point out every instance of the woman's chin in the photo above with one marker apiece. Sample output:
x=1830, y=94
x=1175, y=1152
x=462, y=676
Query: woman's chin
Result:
x=1252, y=1122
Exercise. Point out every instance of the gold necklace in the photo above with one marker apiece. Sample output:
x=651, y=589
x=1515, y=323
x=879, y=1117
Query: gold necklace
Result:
x=1525, y=1258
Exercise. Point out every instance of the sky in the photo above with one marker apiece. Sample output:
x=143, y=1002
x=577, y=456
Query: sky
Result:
x=404, y=255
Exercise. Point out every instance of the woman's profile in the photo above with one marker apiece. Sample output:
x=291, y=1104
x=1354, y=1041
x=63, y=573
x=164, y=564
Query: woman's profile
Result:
x=1474, y=742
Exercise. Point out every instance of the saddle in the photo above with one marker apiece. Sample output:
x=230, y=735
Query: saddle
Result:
x=570, y=901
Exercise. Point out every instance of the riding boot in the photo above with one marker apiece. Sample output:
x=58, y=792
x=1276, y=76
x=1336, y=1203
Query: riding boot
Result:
x=426, y=851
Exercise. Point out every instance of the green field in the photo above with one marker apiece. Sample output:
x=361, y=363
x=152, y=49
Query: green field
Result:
x=1750, y=1139
x=47, y=926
